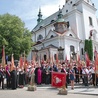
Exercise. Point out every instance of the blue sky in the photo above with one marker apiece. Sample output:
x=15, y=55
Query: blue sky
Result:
x=27, y=10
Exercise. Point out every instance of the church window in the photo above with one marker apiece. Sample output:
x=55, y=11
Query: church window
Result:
x=72, y=49
x=51, y=36
x=71, y=2
x=70, y=34
x=90, y=21
x=66, y=1
x=66, y=10
x=67, y=24
x=82, y=52
x=74, y=4
x=45, y=57
x=93, y=4
x=40, y=37
x=52, y=21
x=41, y=27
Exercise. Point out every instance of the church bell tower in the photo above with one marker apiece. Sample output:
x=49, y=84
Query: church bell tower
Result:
x=60, y=25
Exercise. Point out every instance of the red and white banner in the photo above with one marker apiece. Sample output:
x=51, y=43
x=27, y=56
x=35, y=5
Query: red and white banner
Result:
x=21, y=61
x=87, y=60
x=58, y=79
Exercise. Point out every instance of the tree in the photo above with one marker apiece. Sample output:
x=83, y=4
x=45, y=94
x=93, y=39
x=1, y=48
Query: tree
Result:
x=88, y=48
x=14, y=35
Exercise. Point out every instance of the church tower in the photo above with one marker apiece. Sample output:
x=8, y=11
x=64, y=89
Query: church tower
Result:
x=60, y=25
x=39, y=17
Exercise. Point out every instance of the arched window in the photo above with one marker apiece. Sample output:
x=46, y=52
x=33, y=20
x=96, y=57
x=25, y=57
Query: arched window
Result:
x=45, y=57
x=40, y=37
x=51, y=36
x=40, y=27
x=70, y=34
x=52, y=21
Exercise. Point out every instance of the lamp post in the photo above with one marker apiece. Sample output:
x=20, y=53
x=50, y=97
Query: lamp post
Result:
x=60, y=55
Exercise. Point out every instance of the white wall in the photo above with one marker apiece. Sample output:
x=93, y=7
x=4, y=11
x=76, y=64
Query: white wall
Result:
x=88, y=12
x=80, y=27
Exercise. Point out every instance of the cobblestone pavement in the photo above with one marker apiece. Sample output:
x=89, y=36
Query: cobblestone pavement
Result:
x=45, y=92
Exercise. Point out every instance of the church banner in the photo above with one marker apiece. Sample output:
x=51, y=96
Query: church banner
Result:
x=58, y=79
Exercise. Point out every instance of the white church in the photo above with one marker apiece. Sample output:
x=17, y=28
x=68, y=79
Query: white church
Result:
x=65, y=31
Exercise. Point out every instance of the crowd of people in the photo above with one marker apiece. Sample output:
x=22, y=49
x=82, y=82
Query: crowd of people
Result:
x=21, y=76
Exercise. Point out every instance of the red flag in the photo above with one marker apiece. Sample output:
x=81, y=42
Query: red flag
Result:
x=24, y=58
x=12, y=63
x=51, y=59
x=58, y=79
x=96, y=63
x=87, y=60
x=78, y=58
x=24, y=62
x=3, y=56
x=66, y=60
x=34, y=59
x=26, y=65
x=21, y=62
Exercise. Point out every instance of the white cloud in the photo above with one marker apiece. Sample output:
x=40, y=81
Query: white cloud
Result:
x=27, y=10
x=49, y=9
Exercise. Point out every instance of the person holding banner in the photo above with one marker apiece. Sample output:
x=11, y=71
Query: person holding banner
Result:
x=63, y=70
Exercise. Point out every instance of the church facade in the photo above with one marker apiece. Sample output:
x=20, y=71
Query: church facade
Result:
x=65, y=31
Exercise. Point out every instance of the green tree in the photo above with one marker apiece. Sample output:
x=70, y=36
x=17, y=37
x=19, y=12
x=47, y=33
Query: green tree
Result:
x=14, y=35
x=88, y=48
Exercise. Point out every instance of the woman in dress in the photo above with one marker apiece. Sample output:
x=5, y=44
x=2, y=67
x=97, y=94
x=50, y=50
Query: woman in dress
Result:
x=72, y=76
